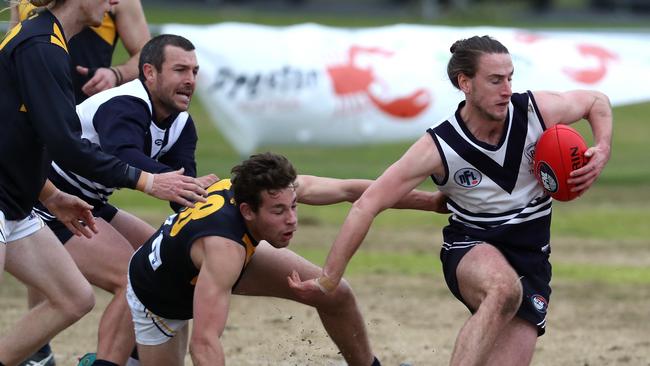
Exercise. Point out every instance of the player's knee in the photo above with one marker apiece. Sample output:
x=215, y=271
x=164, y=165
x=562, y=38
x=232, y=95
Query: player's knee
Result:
x=508, y=297
x=84, y=303
x=73, y=307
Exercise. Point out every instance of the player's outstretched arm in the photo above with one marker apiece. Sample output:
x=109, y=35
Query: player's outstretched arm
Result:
x=420, y=161
x=315, y=190
x=221, y=261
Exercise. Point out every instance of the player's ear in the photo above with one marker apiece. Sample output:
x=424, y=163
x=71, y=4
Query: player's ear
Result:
x=148, y=71
x=246, y=211
x=464, y=83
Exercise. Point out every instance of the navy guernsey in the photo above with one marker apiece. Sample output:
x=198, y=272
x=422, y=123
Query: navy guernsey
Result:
x=38, y=120
x=162, y=273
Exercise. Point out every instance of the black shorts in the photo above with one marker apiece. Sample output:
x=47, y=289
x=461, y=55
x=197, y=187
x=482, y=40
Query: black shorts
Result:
x=106, y=211
x=532, y=265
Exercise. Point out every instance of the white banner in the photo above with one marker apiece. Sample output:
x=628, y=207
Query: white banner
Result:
x=311, y=84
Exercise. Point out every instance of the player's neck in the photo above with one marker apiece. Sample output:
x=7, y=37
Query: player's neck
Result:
x=69, y=20
x=481, y=126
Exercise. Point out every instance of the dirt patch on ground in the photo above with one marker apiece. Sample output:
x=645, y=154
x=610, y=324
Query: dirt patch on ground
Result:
x=413, y=319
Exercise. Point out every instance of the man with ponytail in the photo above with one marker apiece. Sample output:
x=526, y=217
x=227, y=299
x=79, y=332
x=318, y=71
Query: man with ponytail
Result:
x=495, y=255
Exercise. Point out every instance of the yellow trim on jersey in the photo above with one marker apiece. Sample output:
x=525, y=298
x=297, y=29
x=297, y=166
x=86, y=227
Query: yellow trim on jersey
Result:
x=202, y=209
x=107, y=29
x=12, y=33
x=22, y=108
x=250, y=248
x=57, y=37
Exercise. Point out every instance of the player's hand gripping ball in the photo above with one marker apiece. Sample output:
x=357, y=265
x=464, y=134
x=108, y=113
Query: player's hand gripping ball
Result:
x=559, y=151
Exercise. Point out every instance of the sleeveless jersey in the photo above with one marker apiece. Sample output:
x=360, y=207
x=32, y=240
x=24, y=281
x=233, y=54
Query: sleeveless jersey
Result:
x=492, y=190
x=162, y=273
x=93, y=47
x=155, y=141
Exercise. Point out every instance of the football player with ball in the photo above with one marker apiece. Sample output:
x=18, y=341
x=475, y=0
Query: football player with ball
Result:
x=496, y=247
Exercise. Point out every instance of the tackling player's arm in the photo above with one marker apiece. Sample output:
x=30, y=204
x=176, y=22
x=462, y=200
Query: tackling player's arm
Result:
x=419, y=162
x=314, y=190
x=572, y=106
x=220, y=261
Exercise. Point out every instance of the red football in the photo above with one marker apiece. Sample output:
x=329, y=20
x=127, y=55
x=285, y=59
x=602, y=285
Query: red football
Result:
x=559, y=151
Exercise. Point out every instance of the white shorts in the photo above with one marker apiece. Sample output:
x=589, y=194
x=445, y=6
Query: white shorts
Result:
x=150, y=329
x=12, y=230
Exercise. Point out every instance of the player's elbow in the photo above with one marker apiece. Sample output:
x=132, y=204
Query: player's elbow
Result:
x=367, y=206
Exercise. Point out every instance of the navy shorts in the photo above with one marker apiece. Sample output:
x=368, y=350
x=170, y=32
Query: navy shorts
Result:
x=106, y=211
x=531, y=264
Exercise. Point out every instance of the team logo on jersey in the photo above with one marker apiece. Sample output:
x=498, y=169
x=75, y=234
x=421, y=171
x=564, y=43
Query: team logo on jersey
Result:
x=468, y=177
x=529, y=153
x=539, y=302
x=549, y=181
x=158, y=142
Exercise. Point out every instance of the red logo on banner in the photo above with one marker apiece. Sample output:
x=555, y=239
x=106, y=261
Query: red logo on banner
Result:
x=595, y=74
x=585, y=75
x=350, y=79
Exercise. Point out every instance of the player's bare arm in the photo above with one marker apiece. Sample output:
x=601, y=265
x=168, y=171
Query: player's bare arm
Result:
x=134, y=32
x=572, y=106
x=315, y=190
x=220, y=261
x=419, y=162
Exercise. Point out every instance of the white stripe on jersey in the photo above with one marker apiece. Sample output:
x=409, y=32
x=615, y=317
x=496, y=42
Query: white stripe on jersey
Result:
x=75, y=180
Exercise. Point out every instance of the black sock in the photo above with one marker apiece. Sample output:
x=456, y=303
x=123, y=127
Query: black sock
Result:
x=99, y=362
x=46, y=349
x=376, y=362
x=134, y=354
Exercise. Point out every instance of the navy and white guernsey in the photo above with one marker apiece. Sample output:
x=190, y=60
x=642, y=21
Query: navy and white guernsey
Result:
x=120, y=121
x=493, y=193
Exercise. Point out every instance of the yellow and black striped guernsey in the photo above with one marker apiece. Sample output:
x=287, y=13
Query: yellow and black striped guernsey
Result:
x=38, y=119
x=162, y=273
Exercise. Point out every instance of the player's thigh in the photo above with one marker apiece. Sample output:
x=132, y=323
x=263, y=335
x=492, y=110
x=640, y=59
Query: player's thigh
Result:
x=170, y=353
x=267, y=272
x=482, y=270
x=104, y=258
x=133, y=228
x=40, y=261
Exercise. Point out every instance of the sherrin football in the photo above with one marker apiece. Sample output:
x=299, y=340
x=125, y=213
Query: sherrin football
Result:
x=559, y=151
